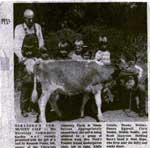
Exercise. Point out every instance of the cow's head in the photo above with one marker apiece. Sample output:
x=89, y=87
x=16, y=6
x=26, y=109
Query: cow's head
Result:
x=29, y=63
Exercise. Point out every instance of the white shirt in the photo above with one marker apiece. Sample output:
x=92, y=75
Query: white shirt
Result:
x=136, y=69
x=20, y=35
x=102, y=57
x=75, y=57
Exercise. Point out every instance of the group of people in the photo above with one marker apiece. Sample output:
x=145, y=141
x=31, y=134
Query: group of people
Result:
x=82, y=52
x=29, y=43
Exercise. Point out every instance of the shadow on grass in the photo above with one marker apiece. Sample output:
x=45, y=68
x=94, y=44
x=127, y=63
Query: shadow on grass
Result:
x=70, y=109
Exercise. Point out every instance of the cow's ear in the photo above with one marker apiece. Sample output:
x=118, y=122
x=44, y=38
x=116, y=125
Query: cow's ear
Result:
x=29, y=63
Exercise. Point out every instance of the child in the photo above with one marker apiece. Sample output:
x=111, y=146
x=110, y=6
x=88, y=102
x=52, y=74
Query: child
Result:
x=102, y=56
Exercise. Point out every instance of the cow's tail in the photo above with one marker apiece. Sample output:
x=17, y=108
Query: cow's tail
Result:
x=34, y=92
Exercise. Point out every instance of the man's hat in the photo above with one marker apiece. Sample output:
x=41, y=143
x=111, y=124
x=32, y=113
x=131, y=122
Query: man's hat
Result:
x=28, y=13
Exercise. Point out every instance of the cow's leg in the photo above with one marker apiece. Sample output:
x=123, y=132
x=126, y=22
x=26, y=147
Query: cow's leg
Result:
x=42, y=105
x=53, y=102
x=98, y=102
x=84, y=101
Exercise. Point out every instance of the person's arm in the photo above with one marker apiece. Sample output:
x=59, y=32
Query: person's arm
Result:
x=70, y=55
x=107, y=59
x=18, y=42
x=40, y=37
x=59, y=44
x=98, y=55
x=140, y=71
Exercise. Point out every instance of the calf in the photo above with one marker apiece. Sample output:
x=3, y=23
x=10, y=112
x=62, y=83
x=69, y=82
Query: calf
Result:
x=71, y=78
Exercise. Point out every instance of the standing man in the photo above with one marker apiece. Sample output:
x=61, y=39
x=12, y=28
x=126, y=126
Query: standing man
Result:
x=28, y=37
x=29, y=43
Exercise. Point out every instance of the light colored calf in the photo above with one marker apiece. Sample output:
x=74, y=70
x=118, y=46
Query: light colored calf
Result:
x=70, y=77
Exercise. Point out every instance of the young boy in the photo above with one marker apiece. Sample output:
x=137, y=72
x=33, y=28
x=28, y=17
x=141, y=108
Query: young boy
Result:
x=102, y=56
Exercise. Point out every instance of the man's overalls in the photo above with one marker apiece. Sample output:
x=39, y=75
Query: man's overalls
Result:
x=30, y=49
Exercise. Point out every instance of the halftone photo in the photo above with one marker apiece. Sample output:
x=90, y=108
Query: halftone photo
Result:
x=80, y=62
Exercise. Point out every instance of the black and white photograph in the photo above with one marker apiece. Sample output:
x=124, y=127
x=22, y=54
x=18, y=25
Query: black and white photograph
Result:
x=80, y=62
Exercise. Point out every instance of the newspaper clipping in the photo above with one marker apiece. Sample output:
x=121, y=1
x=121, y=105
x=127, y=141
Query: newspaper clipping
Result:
x=74, y=75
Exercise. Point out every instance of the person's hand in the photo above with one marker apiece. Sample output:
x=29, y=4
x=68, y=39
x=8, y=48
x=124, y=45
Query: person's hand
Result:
x=23, y=59
x=43, y=48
